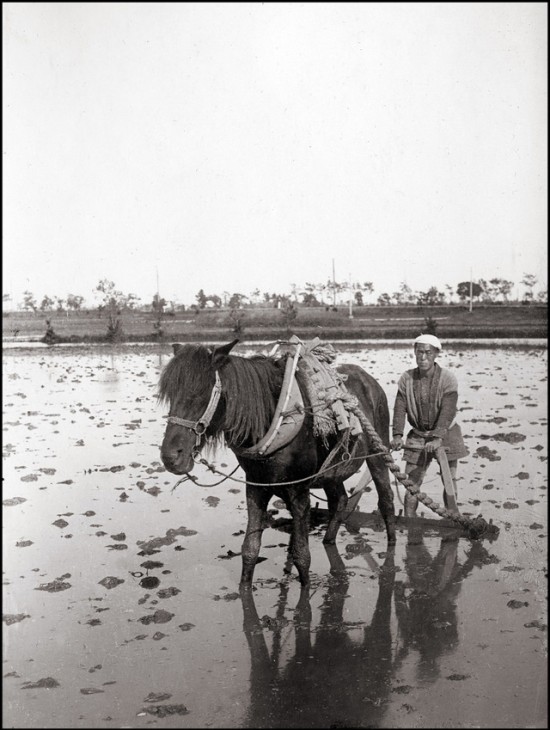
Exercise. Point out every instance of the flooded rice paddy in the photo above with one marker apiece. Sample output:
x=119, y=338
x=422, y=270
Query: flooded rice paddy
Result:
x=120, y=593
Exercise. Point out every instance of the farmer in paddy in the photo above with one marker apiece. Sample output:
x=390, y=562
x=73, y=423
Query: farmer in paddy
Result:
x=426, y=396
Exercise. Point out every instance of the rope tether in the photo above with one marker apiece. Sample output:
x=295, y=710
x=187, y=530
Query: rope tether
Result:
x=476, y=527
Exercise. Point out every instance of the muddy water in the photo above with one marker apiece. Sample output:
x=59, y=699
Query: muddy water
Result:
x=120, y=593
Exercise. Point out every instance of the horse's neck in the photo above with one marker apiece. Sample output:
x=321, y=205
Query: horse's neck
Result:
x=248, y=416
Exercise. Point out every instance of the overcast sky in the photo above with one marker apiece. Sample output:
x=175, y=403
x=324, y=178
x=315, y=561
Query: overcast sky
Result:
x=235, y=146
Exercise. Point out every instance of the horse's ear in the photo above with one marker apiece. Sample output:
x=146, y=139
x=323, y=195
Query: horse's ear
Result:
x=176, y=347
x=219, y=354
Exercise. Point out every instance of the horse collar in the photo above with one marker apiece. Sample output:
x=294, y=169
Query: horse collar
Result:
x=200, y=426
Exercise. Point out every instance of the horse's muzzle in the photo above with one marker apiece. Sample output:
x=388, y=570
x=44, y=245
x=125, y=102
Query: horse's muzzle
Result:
x=176, y=462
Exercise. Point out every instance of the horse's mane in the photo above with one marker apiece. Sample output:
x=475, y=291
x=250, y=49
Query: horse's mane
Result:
x=250, y=389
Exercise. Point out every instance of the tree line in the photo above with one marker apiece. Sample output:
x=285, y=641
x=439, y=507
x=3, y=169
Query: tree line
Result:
x=326, y=294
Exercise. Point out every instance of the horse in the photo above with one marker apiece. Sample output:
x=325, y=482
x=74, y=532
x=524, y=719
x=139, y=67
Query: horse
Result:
x=216, y=397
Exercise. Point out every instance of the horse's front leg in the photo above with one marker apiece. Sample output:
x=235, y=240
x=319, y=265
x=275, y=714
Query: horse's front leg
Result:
x=299, y=508
x=381, y=475
x=337, y=500
x=257, y=499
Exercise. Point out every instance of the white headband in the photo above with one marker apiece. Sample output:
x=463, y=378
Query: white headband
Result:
x=428, y=340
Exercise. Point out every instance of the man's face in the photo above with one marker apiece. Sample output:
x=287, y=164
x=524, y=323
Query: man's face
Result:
x=425, y=357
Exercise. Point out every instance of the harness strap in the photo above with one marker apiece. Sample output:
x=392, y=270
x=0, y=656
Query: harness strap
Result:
x=200, y=426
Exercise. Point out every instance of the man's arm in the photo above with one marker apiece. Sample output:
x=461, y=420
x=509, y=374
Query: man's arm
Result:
x=399, y=415
x=447, y=414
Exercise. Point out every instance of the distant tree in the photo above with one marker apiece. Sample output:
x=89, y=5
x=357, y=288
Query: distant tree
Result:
x=74, y=302
x=529, y=281
x=236, y=301
x=255, y=296
x=407, y=294
x=430, y=297
x=131, y=301
x=158, y=304
x=309, y=299
x=384, y=300
x=333, y=288
x=112, y=305
x=50, y=337
x=495, y=289
x=289, y=313
x=29, y=301
x=486, y=291
x=47, y=304
x=501, y=288
x=201, y=299
x=294, y=292
x=367, y=287
x=356, y=290
x=60, y=302
x=542, y=296
x=319, y=288
x=450, y=292
x=215, y=300
x=463, y=290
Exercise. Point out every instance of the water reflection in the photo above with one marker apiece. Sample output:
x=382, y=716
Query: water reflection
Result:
x=344, y=677
x=426, y=604
x=335, y=681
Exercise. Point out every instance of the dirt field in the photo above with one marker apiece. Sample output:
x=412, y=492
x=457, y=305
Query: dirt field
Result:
x=120, y=593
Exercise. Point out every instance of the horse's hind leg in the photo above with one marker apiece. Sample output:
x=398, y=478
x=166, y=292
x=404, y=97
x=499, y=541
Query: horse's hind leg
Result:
x=381, y=475
x=337, y=500
x=257, y=499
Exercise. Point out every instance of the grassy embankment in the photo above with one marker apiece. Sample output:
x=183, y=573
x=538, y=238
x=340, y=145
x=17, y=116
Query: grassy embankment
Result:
x=370, y=322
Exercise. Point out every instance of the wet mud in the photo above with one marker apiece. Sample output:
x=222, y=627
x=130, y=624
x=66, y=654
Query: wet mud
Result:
x=121, y=605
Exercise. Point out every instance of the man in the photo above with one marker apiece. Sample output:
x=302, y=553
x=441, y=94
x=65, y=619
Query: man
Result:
x=427, y=396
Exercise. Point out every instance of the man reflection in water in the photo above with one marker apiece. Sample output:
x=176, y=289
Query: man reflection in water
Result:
x=425, y=606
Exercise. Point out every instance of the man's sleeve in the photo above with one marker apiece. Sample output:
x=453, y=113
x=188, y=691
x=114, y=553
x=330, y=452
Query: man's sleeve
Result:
x=399, y=414
x=447, y=414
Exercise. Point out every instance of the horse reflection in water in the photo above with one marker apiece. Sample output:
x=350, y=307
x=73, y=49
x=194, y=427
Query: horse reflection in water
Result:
x=338, y=680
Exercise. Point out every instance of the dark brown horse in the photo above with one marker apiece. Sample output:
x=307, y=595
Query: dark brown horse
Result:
x=237, y=397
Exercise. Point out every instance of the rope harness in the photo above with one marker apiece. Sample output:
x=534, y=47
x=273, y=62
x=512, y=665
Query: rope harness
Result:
x=475, y=527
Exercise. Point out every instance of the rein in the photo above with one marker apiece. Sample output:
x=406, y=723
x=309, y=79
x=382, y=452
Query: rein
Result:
x=200, y=426
x=210, y=467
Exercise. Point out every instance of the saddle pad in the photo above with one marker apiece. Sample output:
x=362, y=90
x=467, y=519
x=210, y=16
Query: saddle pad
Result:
x=291, y=423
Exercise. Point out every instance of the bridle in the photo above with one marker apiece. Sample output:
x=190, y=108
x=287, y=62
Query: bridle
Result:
x=199, y=426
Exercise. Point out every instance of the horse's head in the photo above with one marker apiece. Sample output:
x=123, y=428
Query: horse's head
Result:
x=191, y=386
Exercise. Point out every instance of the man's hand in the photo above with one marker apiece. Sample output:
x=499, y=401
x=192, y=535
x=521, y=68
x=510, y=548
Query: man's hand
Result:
x=432, y=446
x=396, y=443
